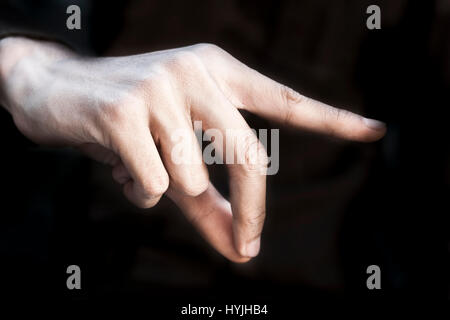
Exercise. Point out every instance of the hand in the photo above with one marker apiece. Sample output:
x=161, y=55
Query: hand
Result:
x=123, y=110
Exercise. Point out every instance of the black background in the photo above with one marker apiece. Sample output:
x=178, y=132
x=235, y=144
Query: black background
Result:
x=59, y=208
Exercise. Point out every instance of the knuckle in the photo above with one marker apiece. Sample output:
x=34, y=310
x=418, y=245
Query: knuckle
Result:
x=333, y=116
x=182, y=61
x=212, y=52
x=254, y=222
x=255, y=159
x=186, y=56
x=290, y=96
x=207, y=48
x=156, y=186
x=142, y=201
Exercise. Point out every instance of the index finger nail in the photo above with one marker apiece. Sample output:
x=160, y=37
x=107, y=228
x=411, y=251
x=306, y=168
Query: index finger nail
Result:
x=374, y=124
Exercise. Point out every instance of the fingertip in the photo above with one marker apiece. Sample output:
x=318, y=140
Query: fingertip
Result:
x=237, y=255
x=374, y=124
x=252, y=248
x=247, y=248
x=375, y=130
x=239, y=259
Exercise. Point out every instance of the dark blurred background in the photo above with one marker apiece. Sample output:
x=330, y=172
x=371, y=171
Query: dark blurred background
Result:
x=334, y=208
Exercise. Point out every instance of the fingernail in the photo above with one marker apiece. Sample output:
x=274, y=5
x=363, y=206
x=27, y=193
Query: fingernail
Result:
x=252, y=248
x=374, y=124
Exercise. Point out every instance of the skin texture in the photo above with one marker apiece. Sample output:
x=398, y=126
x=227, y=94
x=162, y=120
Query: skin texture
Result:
x=122, y=110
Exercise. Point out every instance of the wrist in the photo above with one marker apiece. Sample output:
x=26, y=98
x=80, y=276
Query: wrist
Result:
x=12, y=51
x=22, y=61
x=6, y=64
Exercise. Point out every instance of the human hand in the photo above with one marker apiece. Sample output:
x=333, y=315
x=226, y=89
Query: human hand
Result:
x=122, y=111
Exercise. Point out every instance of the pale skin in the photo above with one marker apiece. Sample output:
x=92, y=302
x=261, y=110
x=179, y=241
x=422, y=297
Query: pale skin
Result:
x=122, y=110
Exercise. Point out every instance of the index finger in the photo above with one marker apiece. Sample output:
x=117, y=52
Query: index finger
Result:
x=270, y=99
